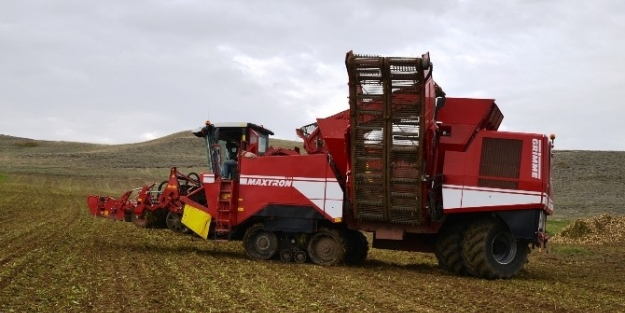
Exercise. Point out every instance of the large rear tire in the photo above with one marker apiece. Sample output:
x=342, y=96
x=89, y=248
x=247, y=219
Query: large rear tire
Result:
x=260, y=243
x=490, y=251
x=357, y=247
x=449, y=249
x=326, y=247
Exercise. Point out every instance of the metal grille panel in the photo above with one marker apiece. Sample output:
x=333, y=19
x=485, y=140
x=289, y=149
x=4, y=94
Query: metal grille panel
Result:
x=493, y=183
x=501, y=158
x=386, y=97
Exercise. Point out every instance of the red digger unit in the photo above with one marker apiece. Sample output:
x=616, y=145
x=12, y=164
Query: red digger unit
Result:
x=149, y=207
x=419, y=170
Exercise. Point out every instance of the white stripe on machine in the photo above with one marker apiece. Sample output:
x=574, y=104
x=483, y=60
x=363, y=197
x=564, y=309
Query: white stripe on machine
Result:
x=456, y=197
x=325, y=193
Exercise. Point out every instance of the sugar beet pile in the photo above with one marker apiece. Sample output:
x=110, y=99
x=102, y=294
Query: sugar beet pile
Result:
x=601, y=229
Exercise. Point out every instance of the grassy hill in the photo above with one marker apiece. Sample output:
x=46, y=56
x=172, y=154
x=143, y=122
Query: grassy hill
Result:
x=587, y=183
x=180, y=149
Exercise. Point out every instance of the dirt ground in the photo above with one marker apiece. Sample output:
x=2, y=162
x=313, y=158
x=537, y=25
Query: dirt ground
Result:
x=54, y=257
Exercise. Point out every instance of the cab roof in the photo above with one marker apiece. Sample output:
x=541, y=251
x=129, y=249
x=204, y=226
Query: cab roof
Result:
x=258, y=128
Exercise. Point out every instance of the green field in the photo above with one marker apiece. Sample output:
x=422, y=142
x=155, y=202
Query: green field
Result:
x=55, y=257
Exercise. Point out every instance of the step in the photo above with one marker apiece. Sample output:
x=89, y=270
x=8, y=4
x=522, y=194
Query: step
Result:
x=369, y=216
x=404, y=148
x=369, y=158
x=365, y=127
x=406, y=134
x=405, y=180
x=369, y=96
x=404, y=209
x=404, y=61
x=371, y=176
x=369, y=202
x=370, y=112
x=403, y=195
x=404, y=76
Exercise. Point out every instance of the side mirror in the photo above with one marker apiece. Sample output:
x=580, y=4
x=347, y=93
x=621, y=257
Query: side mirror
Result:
x=439, y=104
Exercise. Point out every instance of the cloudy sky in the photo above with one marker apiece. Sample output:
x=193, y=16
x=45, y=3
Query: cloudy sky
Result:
x=121, y=71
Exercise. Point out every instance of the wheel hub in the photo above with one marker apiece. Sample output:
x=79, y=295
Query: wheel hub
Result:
x=262, y=243
x=325, y=248
x=504, y=248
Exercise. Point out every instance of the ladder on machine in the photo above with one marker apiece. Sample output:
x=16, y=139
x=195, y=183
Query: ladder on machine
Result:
x=387, y=107
x=225, y=209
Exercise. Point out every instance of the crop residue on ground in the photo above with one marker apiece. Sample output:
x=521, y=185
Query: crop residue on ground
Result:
x=601, y=229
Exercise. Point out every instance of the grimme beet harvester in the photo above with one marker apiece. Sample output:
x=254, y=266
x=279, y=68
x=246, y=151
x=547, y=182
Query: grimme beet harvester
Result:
x=421, y=171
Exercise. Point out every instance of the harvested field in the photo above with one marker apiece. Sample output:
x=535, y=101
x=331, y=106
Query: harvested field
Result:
x=54, y=257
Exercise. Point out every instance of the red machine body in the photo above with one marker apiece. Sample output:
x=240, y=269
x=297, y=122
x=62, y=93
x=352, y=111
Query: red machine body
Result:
x=421, y=171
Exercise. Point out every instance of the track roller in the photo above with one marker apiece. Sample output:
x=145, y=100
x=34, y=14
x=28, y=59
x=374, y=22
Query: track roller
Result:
x=327, y=247
x=260, y=243
x=286, y=255
x=300, y=256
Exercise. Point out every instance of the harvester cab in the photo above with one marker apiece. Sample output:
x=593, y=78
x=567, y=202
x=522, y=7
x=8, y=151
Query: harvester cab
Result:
x=224, y=141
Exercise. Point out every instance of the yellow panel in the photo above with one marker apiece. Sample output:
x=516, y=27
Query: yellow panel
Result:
x=240, y=209
x=197, y=220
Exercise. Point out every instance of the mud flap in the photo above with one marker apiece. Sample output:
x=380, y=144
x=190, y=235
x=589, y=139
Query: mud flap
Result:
x=197, y=220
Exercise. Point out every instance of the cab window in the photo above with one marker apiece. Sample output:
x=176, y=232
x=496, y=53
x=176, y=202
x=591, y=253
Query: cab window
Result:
x=263, y=143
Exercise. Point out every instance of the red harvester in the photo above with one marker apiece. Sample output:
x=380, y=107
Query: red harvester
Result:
x=421, y=171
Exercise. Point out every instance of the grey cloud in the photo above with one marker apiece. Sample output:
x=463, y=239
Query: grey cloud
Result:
x=123, y=71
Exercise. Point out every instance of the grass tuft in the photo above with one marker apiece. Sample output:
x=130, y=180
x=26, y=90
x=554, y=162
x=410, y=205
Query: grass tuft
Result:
x=25, y=143
x=556, y=226
x=570, y=250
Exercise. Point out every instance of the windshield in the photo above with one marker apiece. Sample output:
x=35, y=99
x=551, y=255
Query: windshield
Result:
x=262, y=144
